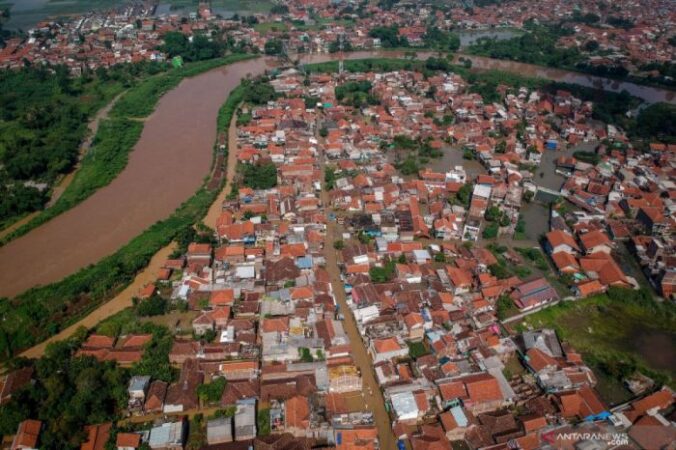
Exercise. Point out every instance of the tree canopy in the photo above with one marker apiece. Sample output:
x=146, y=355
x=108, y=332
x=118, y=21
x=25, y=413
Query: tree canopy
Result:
x=200, y=48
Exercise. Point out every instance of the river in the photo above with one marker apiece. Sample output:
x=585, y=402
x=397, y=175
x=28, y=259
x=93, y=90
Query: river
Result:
x=166, y=166
x=648, y=94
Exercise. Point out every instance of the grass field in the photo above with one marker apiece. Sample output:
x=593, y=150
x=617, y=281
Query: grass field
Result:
x=266, y=27
x=616, y=337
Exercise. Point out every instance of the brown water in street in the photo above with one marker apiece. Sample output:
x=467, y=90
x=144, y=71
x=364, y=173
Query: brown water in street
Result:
x=166, y=166
x=121, y=301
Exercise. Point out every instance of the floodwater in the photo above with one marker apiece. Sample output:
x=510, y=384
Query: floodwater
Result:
x=166, y=166
x=468, y=38
x=452, y=157
x=655, y=347
x=646, y=93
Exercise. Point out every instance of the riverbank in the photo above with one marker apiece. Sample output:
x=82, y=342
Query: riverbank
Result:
x=65, y=182
x=115, y=305
x=113, y=135
x=167, y=165
x=43, y=312
x=148, y=274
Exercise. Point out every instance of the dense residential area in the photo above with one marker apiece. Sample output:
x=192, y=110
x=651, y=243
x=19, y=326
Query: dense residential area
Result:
x=391, y=251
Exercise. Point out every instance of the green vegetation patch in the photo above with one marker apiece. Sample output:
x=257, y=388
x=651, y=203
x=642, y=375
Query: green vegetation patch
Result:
x=41, y=312
x=618, y=333
x=115, y=138
x=417, y=349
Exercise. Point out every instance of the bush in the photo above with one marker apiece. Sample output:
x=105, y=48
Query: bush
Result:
x=42, y=311
x=417, y=349
x=153, y=306
x=212, y=392
x=382, y=274
x=491, y=231
x=588, y=157
x=260, y=176
x=263, y=421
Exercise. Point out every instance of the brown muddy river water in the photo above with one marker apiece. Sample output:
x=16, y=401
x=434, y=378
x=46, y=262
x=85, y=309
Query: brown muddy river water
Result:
x=168, y=165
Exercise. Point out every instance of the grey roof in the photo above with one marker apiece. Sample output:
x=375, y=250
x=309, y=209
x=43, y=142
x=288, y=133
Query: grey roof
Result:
x=139, y=383
x=166, y=434
x=544, y=340
x=219, y=430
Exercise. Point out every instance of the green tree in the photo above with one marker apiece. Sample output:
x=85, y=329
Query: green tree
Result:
x=212, y=392
x=274, y=47
x=260, y=176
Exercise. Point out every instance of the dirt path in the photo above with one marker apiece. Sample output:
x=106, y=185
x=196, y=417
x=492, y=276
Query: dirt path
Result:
x=117, y=304
x=61, y=186
x=372, y=395
x=18, y=223
x=166, y=166
x=93, y=126
x=230, y=169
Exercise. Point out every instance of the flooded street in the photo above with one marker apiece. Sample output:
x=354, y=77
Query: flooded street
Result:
x=452, y=157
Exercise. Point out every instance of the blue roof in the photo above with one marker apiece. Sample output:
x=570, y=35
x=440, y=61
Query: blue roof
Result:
x=304, y=262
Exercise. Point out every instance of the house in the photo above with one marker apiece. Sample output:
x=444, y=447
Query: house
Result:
x=14, y=381
x=362, y=438
x=415, y=325
x=128, y=441
x=596, y=241
x=533, y=294
x=219, y=431
x=602, y=267
x=182, y=395
x=155, y=397
x=245, y=420
x=27, y=435
x=478, y=392
x=653, y=220
x=202, y=324
x=582, y=404
x=386, y=349
x=169, y=435
x=97, y=436
x=668, y=284
x=238, y=370
x=297, y=418
x=199, y=254
x=138, y=386
x=560, y=241
x=405, y=406
x=587, y=288
x=565, y=262
x=460, y=280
